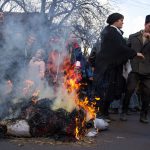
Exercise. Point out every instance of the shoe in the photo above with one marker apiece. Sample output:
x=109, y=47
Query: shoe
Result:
x=114, y=111
x=128, y=113
x=138, y=108
x=143, y=118
x=123, y=117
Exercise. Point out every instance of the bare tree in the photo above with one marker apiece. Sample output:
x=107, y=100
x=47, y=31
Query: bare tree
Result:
x=86, y=16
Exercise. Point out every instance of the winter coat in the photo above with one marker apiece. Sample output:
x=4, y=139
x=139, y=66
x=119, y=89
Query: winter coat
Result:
x=36, y=69
x=135, y=41
x=109, y=62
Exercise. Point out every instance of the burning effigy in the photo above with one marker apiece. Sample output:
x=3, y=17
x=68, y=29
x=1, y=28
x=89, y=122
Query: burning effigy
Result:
x=53, y=99
x=39, y=120
x=36, y=120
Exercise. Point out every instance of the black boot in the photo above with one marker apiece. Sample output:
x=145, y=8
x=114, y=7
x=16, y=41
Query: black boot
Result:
x=144, y=117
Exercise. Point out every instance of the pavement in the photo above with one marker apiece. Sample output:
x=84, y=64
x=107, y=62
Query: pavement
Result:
x=129, y=135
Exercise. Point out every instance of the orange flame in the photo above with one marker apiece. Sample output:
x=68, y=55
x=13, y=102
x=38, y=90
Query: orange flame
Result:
x=35, y=96
x=77, y=130
x=90, y=109
x=28, y=89
x=72, y=84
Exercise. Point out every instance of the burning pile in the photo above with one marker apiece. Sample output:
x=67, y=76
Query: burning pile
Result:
x=36, y=120
x=48, y=117
x=73, y=83
x=43, y=120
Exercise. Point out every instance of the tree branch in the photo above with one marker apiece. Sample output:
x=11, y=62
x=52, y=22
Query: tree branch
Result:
x=18, y=2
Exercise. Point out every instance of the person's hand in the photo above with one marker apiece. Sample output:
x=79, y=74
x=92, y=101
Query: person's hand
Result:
x=93, y=69
x=91, y=78
x=146, y=35
x=140, y=55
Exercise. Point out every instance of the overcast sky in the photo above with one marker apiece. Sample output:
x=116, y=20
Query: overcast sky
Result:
x=134, y=12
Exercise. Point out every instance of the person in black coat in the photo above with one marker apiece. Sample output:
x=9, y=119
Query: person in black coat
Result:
x=109, y=81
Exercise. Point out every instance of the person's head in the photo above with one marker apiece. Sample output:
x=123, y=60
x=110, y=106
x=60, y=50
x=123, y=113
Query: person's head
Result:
x=31, y=39
x=147, y=24
x=40, y=53
x=115, y=19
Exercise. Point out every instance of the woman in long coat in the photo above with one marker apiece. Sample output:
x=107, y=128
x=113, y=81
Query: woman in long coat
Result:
x=109, y=81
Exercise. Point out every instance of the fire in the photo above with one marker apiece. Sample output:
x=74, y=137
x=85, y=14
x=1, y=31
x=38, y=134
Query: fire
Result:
x=35, y=96
x=77, y=130
x=72, y=82
x=30, y=90
x=89, y=108
x=36, y=93
x=28, y=86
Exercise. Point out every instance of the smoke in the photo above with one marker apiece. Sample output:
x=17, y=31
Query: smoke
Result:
x=22, y=36
x=15, y=31
x=65, y=100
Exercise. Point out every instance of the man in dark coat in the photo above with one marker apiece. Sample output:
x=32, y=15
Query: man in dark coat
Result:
x=109, y=63
x=140, y=74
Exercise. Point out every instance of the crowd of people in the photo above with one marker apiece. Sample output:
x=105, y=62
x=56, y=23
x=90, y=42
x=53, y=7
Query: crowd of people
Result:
x=27, y=54
x=122, y=67
x=115, y=70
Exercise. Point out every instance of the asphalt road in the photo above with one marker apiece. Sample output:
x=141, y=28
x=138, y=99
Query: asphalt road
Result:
x=130, y=135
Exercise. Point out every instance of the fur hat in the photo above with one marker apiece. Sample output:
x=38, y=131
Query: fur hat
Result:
x=147, y=19
x=114, y=17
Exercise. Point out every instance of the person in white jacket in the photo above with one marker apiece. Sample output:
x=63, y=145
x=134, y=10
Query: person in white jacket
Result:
x=36, y=73
x=37, y=65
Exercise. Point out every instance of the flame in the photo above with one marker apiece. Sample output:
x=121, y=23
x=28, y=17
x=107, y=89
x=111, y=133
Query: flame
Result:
x=30, y=90
x=72, y=83
x=77, y=130
x=97, y=98
x=28, y=86
x=35, y=96
x=36, y=93
x=89, y=108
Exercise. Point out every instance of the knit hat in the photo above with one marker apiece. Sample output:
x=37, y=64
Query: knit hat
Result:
x=114, y=17
x=147, y=19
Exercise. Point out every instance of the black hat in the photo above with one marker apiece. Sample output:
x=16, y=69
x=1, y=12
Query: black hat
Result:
x=147, y=19
x=114, y=17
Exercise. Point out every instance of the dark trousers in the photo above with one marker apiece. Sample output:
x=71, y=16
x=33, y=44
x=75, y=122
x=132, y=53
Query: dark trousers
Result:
x=110, y=87
x=107, y=95
x=136, y=80
x=106, y=104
